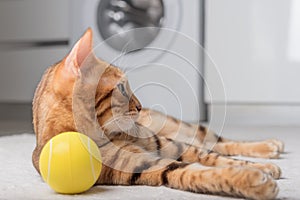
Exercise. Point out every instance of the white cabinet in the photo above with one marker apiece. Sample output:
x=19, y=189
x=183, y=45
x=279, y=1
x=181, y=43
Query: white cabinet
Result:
x=256, y=47
x=33, y=36
x=21, y=70
x=22, y=20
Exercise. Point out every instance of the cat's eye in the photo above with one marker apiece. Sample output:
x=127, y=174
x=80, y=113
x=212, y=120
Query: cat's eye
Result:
x=122, y=89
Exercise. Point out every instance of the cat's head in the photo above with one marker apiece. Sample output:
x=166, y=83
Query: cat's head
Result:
x=115, y=105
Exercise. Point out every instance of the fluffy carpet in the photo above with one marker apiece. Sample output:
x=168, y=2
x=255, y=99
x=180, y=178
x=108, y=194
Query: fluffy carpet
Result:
x=19, y=180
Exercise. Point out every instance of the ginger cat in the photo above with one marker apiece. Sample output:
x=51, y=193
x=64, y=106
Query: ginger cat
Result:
x=141, y=146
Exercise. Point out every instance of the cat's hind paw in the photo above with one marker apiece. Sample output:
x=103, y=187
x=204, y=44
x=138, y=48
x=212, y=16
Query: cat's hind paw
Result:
x=265, y=188
x=259, y=185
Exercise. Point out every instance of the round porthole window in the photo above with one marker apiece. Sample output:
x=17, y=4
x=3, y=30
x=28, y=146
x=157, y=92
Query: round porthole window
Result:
x=120, y=16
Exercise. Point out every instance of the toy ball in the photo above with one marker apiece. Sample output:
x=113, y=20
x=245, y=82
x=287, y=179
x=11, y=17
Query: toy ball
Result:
x=70, y=163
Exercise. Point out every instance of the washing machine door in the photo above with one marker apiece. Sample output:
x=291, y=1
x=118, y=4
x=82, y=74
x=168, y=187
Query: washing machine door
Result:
x=124, y=28
x=119, y=16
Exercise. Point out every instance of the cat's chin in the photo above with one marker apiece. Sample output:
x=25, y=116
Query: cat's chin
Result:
x=133, y=116
x=123, y=125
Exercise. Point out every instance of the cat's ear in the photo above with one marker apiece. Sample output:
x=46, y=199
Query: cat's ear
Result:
x=79, y=53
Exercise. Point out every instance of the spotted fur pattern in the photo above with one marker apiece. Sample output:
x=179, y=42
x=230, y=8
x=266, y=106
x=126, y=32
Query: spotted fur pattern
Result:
x=141, y=146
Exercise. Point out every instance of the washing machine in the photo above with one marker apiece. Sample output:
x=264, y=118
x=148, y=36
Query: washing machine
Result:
x=157, y=43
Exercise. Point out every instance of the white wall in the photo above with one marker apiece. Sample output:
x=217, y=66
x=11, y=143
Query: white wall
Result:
x=255, y=45
x=254, y=65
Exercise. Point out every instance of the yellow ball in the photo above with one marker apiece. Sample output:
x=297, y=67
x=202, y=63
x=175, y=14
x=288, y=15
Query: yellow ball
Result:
x=70, y=163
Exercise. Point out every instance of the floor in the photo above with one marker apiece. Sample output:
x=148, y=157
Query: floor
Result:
x=20, y=181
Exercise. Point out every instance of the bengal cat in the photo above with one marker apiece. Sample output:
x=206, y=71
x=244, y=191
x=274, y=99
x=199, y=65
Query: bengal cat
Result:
x=141, y=146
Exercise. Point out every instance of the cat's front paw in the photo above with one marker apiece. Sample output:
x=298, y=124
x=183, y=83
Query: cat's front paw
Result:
x=268, y=149
x=278, y=143
x=269, y=168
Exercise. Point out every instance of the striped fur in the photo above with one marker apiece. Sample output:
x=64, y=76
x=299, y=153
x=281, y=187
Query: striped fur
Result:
x=141, y=146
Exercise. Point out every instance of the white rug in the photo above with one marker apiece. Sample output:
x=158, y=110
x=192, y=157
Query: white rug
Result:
x=19, y=180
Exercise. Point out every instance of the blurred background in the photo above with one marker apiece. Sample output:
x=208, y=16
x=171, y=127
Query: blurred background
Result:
x=250, y=66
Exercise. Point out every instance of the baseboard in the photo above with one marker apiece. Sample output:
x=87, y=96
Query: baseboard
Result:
x=15, y=111
x=274, y=115
x=15, y=118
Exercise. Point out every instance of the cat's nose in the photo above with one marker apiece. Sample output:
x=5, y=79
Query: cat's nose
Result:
x=135, y=102
x=138, y=107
